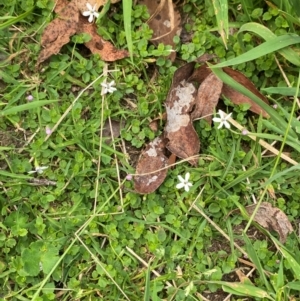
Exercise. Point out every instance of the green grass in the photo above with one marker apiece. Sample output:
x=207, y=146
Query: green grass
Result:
x=78, y=231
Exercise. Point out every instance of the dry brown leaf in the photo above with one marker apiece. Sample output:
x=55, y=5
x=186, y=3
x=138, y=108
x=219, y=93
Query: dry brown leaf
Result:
x=58, y=32
x=238, y=98
x=164, y=21
x=183, y=140
x=152, y=159
x=272, y=219
x=69, y=22
x=203, y=72
x=104, y=48
x=207, y=97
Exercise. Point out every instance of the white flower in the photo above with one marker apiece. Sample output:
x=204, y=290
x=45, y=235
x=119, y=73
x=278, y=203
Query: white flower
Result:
x=223, y=119
x=184, y=182
x=91, y=12
x=38, y=169
x=108, y=88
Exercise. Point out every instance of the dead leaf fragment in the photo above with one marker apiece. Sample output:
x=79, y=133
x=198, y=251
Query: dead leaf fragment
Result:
x=105, y=49
x=164, y=21
x=207, y=98
x=239, y=98
x=272, y=219
x=69, y=22
x=236, y=97
x=58, y=32
x=183, y=140
x=152, y=159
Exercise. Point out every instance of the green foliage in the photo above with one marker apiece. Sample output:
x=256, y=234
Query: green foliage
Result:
x=80, y=239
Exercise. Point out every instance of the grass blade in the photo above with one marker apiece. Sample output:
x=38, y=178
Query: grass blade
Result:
x=26, y=106
x=267, y=47
x=221, y=11
x=14, y=20
x=147, y=285
x=268, y=35
x=285, y=91
x=127, y=6
x=254, y=258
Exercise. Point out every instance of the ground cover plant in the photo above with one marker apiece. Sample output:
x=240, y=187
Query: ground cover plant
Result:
x=78, y=122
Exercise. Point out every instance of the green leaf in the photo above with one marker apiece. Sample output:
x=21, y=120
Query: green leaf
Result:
x=127, y=8
x=27, y=106
x=285, y=91
x=14, y=20
x=241, y=289
x=292, y=262
x=254, y=258
x=13, y=175
x=221, y=12
x=103, y=11
x=295, y=6
x=31, y=259
x=147, y=285
x=280, y=277
x=268, y=35
x=263, y=49
x=49, y=257
x=294, y=285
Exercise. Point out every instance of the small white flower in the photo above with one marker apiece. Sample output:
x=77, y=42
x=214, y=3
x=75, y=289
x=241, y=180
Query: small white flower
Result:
x=184, y=182
x=91, y=12
x=223, y=119
x=38, y=169
x=108, y=88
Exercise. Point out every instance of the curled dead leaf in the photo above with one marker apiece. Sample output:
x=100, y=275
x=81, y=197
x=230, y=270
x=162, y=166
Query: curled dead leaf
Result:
x=202, y=72
x=152, y=167
x=272, y=219
x=183, y=140
x=238, y=98
x=207, y=98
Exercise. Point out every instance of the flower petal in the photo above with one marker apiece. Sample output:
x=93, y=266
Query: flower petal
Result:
x=86, y=13
x=227, y=124
x=220, y=125
x=187, y=176
x=180, y=185
x=181, y=179
x=217, y=119
x=91, y=18
x=89, y=6
x=186, y=188
x=222, y=114
x=228, y=116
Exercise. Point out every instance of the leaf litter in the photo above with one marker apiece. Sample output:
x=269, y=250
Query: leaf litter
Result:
x=165, y=21
x=184, y=104
x=272, y=219
x=69, y=22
